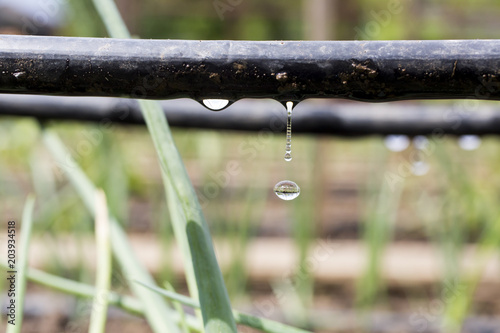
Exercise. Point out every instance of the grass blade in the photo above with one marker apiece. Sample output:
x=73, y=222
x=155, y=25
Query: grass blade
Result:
x=179, y=225
x=173, y=296
x=214, y=300
x=383, y=207
x=179, y=309
x=262, y=324
x=22, y=264
x=103, y=273
x=487, y=247
x=124, y=302
x=158, y=314
x=67, y=286
x=112, y=19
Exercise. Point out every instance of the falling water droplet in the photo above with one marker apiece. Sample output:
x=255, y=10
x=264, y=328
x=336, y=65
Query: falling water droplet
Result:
x=419, y=166
x=469, y=142
x=397, y=143
x=215, y=104
x=288, y=146
x=287, y=190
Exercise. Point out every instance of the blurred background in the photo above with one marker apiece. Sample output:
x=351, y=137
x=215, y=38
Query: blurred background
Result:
x=376, y=242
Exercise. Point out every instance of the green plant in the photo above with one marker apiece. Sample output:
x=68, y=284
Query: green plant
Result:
x=22, y=264
x=156, y=310
x=103, y=275
x=188, y=221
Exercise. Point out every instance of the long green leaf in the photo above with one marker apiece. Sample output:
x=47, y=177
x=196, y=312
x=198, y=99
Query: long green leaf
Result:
x=487, y=247
x=112, y=19
x=179, y=309
x=103, y=272
x=262, y=324
x=377, y=233
x=124, y=302
x=179, y=225
x=22, y=264
x=215, y=306
x=157, y=312
x=214, y=300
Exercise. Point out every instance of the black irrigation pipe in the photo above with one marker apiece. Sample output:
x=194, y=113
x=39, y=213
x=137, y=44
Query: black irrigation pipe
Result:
x=318, y=117
x=283, y=70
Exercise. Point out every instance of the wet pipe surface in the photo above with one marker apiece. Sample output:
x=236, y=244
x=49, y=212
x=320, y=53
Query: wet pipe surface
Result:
x=232, y=70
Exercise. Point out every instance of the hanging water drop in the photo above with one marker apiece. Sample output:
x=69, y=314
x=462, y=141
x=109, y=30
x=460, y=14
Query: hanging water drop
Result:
x=469, y=142
x=215, y=104
x=287, y=190
x=397, y=143
x=288, y=146
x=419, y=166
x=420, y=142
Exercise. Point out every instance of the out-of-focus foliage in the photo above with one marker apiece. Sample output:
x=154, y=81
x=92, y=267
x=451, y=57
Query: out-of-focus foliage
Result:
x=268, y=20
